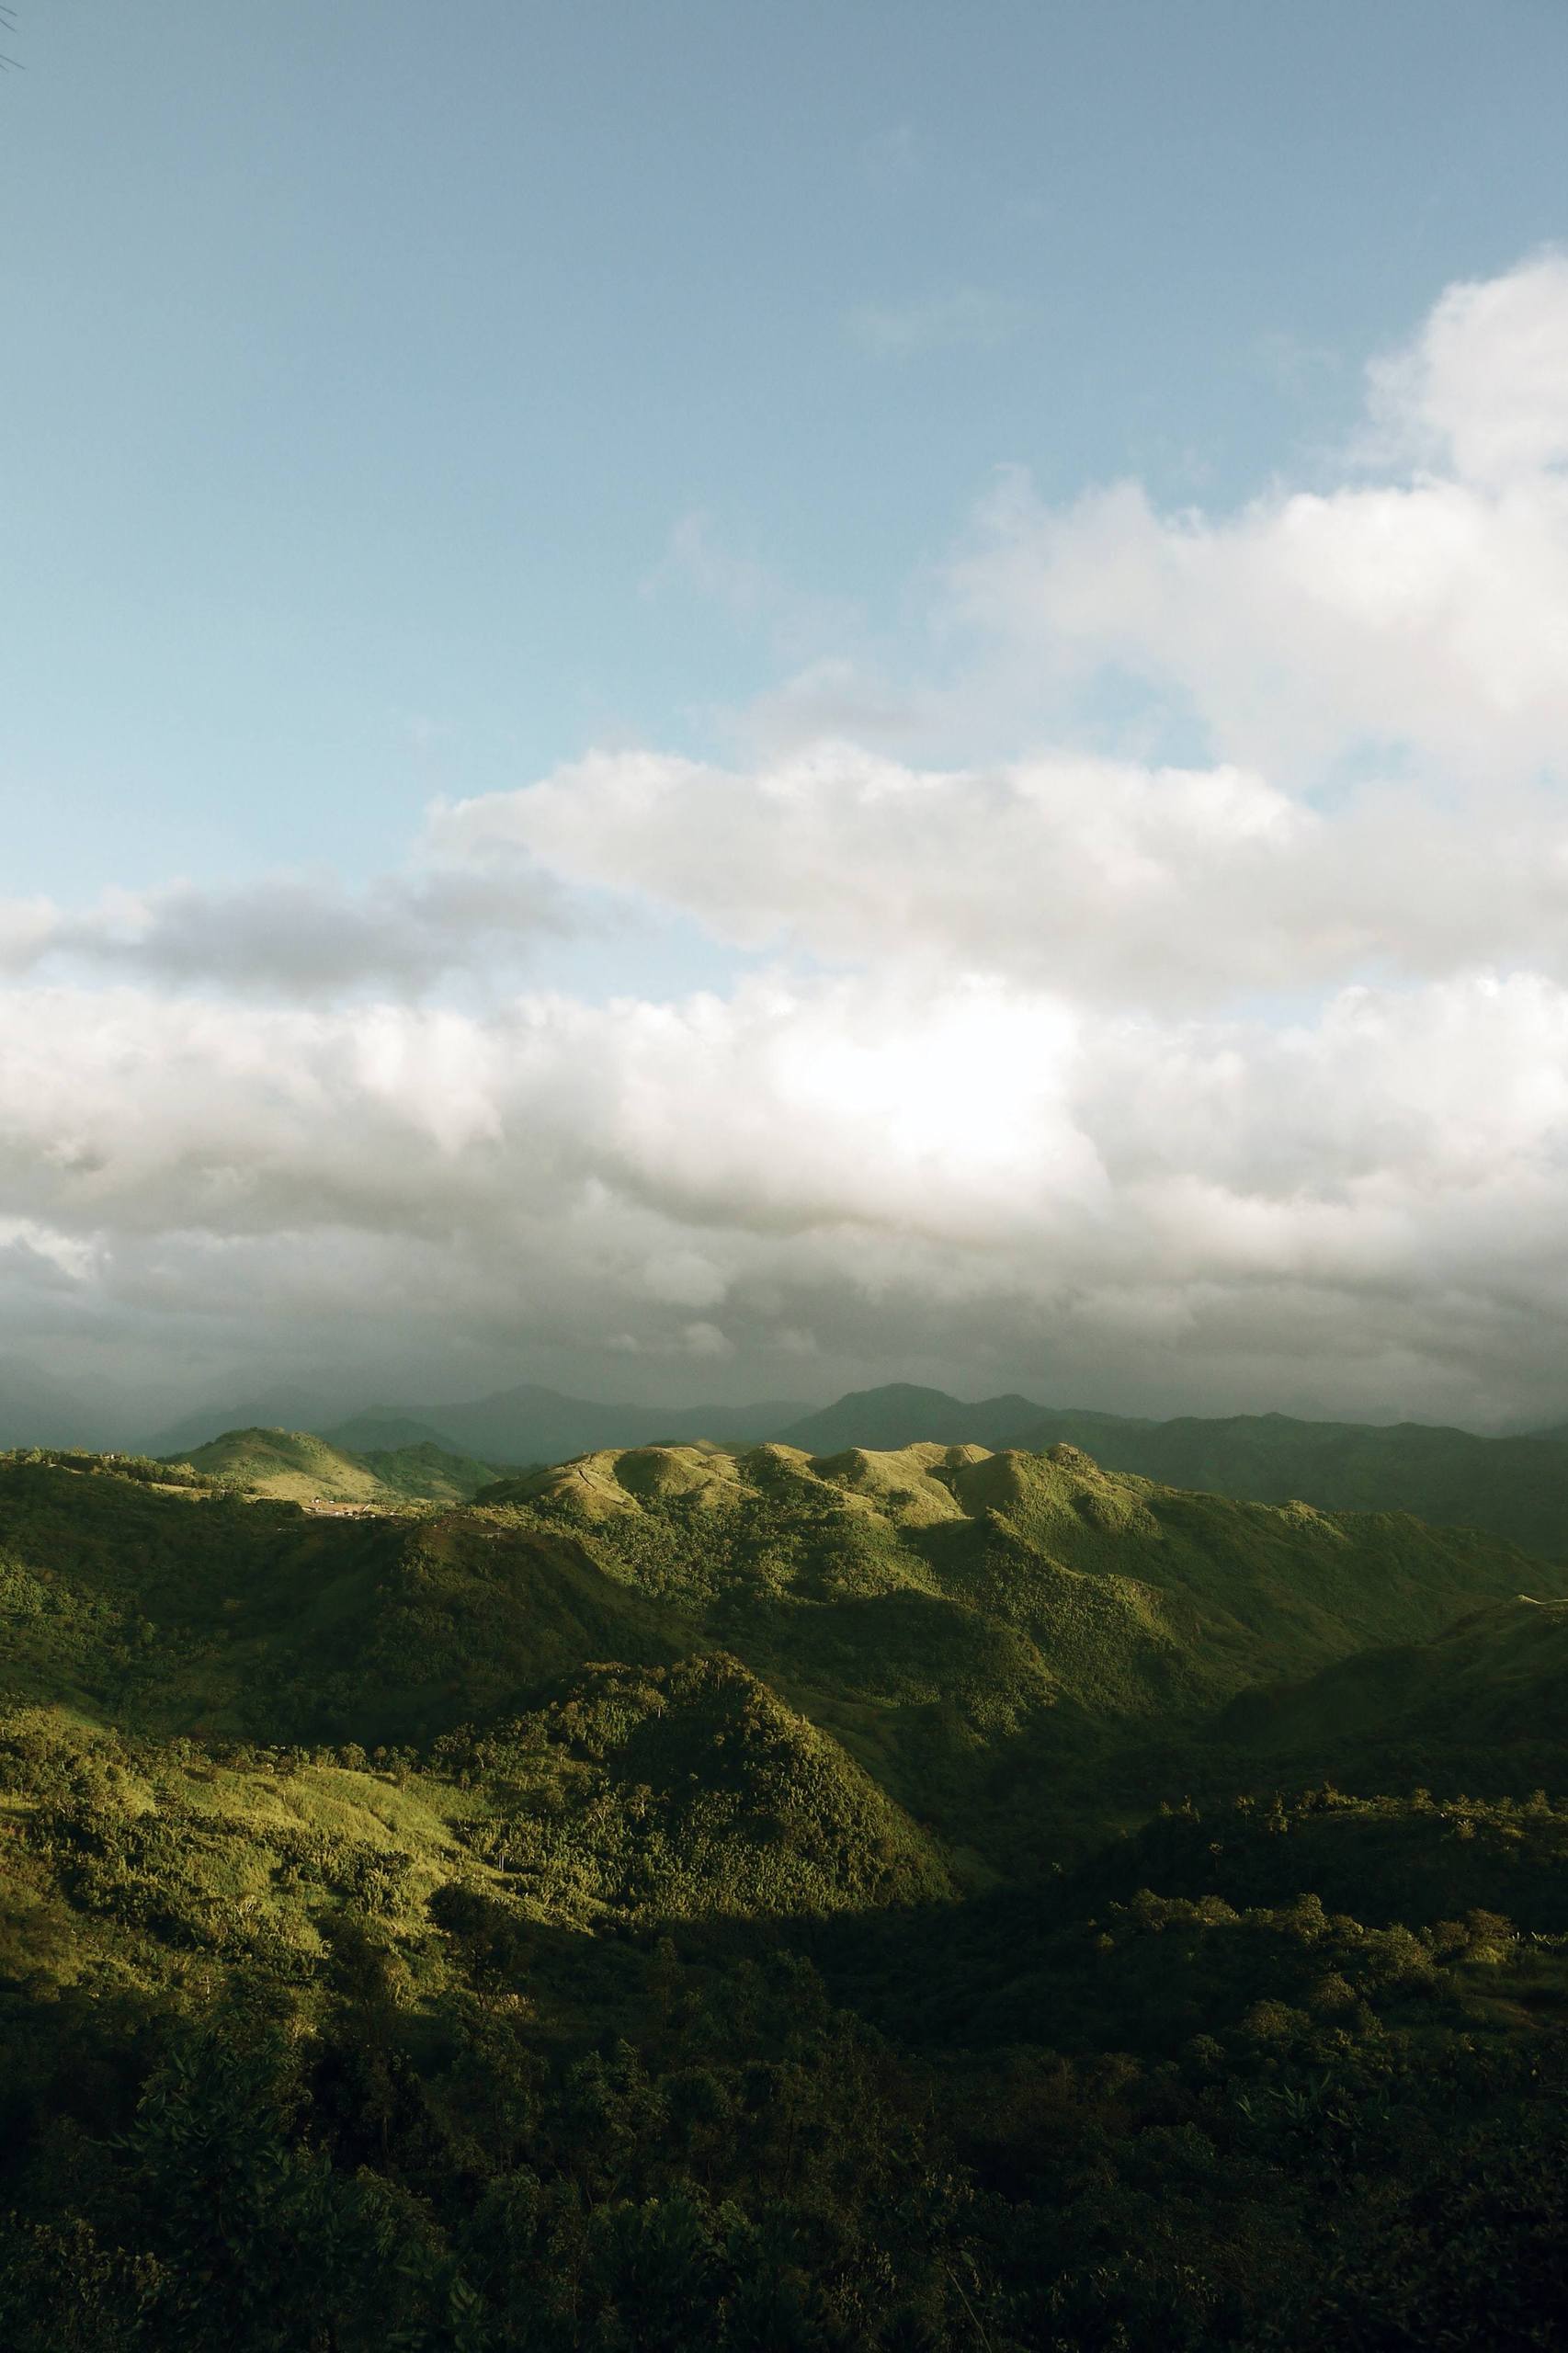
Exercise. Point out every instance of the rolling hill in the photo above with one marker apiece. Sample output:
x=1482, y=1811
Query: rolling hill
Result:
x=1199, y=1590
x=1494, y=1681
x=296, y=1467
x=1515, y=1487
x=722, y=1893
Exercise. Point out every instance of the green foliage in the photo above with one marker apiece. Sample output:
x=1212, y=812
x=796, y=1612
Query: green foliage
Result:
x=683, y=1792
x=922, y=1900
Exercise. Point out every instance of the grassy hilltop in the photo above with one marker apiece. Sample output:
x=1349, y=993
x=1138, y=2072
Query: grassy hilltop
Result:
x=924, y=1897
x=297, y=1467
x=1515, y=1487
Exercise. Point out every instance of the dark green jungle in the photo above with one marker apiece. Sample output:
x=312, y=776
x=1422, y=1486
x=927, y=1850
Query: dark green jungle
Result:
x=739, y=1898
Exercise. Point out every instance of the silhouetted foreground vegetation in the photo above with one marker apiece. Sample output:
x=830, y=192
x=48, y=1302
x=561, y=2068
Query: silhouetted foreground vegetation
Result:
x=918, y=1901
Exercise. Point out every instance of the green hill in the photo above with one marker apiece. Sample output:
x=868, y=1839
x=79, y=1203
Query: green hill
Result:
x=718, y=1895
x=1127, y=1595
x=961, y=1623
x=685, y=1791
x=1494, y=1680
x=1515, y=1487
x=297, y=1467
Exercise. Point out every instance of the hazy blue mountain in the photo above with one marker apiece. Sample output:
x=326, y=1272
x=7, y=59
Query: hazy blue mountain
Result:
x=900, y=1414
x=380, y=1428
x=533, y=1424
x=282, y=1406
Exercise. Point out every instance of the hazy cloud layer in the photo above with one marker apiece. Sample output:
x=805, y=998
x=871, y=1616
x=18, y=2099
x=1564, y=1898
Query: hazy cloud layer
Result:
x=977, y=1172
x=295, y=934
x=1235, y=1079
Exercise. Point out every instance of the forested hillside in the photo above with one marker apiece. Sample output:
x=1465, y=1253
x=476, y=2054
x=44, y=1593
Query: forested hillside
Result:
x=928, y=1898
x=1516, y=1487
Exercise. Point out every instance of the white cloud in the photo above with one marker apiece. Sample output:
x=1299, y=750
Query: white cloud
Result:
x=1006, y=1109
x=1114, y=880
x=1425, y=617
x=1483, y=388
x=978, y=1164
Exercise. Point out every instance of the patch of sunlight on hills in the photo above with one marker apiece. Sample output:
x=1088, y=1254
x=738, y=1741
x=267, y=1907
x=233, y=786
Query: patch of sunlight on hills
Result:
x=297, y=1467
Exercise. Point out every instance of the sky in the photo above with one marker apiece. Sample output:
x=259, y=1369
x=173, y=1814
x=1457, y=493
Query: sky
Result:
x=725, y=700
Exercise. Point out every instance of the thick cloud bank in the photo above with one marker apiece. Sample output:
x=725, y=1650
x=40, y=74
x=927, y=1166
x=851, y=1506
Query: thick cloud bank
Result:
x=1240, y=1079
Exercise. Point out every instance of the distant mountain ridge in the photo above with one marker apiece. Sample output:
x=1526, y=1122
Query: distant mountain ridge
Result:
x=533, y=1424
x=527, y=1424
x=900, y=1415
x=1513, y=1486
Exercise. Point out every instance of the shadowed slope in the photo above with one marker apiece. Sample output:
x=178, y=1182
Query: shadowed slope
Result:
x=1495, y=1678
x=684, y=1791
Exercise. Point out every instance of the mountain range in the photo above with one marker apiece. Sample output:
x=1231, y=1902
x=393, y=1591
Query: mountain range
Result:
x=1514, y=1487
x=936, y=1893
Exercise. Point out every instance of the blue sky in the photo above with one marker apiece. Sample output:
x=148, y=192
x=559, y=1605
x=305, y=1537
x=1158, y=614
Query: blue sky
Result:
x=364, y=362
x=733, y=698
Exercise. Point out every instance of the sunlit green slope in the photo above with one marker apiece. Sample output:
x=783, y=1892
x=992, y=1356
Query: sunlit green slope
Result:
x=936, y=1565
x=297, y=1467
x=1516, y=1487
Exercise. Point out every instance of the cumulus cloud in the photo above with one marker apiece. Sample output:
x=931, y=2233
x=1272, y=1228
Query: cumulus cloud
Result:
x=1237, y=1076
x=1118, y=880
x=1482, y=390
x=1311, y=628
x=1426, y=612
x=980, y=1165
